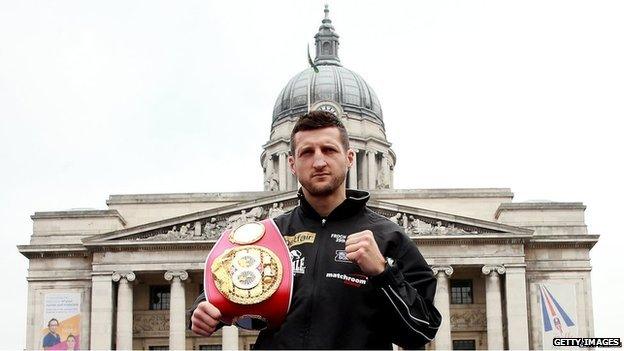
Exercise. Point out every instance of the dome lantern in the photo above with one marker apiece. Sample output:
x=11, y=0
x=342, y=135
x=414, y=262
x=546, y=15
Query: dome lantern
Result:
x=327, y=43
x=341, y=91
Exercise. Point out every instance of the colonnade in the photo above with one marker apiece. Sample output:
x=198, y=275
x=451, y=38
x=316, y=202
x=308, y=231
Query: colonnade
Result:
x=516, y=306
x=102, y=312
x=364, y=171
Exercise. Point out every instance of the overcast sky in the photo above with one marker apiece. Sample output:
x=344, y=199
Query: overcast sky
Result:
x=119, y=97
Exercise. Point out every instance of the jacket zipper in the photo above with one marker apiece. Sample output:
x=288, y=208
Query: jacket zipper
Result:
x=314, y=274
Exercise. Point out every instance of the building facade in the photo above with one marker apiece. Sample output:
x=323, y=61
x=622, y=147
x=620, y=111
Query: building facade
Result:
x=511, y=275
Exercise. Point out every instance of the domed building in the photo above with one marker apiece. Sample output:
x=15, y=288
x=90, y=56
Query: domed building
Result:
x=344, y=93
x=510, y=275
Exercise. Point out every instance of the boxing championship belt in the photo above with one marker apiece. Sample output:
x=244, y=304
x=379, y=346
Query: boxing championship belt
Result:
x=248, y=276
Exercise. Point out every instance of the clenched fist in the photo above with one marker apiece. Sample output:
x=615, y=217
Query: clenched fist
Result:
x=205, y=319
x=363, y=250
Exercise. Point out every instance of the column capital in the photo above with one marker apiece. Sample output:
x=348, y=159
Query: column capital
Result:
x=183, y=275
x=447, y=270
x=128, y=275
x=488, y=269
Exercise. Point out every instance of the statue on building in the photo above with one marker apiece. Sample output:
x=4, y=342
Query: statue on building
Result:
x=272, y=181
x=276, y=210
x=396, y=218
x=210, y=229
x=383, y=176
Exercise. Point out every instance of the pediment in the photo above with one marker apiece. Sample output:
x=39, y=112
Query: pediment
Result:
x=206, y=226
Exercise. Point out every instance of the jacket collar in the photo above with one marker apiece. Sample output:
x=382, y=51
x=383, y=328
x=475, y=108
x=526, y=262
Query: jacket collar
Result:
x=355, y=201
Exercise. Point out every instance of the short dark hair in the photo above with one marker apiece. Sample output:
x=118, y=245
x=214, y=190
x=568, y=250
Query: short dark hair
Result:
x=53, y=319
x=319, y=120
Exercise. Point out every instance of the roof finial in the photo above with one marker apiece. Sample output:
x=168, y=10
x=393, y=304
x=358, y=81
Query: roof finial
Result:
x=327, y=42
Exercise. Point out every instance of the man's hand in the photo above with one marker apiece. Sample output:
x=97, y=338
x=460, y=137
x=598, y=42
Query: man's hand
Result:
x=205, y=319
x=363, y=250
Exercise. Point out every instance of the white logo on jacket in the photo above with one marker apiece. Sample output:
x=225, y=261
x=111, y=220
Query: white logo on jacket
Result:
x=340, y=238
x=298, y=262
x=341, y=256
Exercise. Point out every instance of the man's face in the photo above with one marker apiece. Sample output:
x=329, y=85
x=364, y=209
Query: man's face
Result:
x=53, y=326
x=320, y=161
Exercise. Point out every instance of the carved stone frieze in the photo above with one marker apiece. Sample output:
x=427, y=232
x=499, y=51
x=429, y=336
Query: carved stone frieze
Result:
x=421, y=226
x=469, y=319
x=150, y=322
x=212, y=227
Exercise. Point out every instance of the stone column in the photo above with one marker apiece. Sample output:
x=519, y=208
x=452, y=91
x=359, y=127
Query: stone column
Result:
x=442, y=303
x=268, y=171
x=372, y=169
x=363, y=170
x=353, y=173
x=101, y=312
x=229, y=338
x=290, y=179
x=282, y=171
x=124, y=309
x=517, y=315
x=493, y=306
x=177, y=310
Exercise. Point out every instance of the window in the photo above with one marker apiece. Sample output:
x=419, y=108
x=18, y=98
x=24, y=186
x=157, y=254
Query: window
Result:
x=464, y=345
x=159, y=297
x=158, y=348
x=210, y=347
x=326, y=48
x=461, y=291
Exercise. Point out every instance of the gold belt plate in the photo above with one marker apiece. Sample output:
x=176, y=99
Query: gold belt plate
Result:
x=247, y=275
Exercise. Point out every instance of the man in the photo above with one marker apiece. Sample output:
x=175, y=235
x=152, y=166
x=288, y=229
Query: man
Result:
x=52, y=338
x=359, y=282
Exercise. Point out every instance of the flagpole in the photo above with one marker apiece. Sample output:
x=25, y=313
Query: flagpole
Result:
x=314, y=70
x=309, y=83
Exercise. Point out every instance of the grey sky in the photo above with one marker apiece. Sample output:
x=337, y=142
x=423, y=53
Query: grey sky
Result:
x=116, y=97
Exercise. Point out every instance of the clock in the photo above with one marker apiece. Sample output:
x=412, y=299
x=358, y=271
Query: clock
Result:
x=328, y=108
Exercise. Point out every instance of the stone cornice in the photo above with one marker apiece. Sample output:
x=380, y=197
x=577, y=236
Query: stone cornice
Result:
x=382, y=194
x=186, y=197
x=150, y=245
x=56, y=250
x=275, y=142
x=79, y=214
x=539, y=206
x=503, y=239
x=529, y=241
x=564, y=241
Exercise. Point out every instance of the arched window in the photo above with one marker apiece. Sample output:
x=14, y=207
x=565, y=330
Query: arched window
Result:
x=326, y=48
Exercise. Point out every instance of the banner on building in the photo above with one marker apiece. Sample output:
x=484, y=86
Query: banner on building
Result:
x=558, y=311
x=61, y=319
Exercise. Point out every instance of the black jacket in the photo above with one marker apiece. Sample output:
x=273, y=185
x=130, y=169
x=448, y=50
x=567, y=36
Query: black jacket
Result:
x=334, y=305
